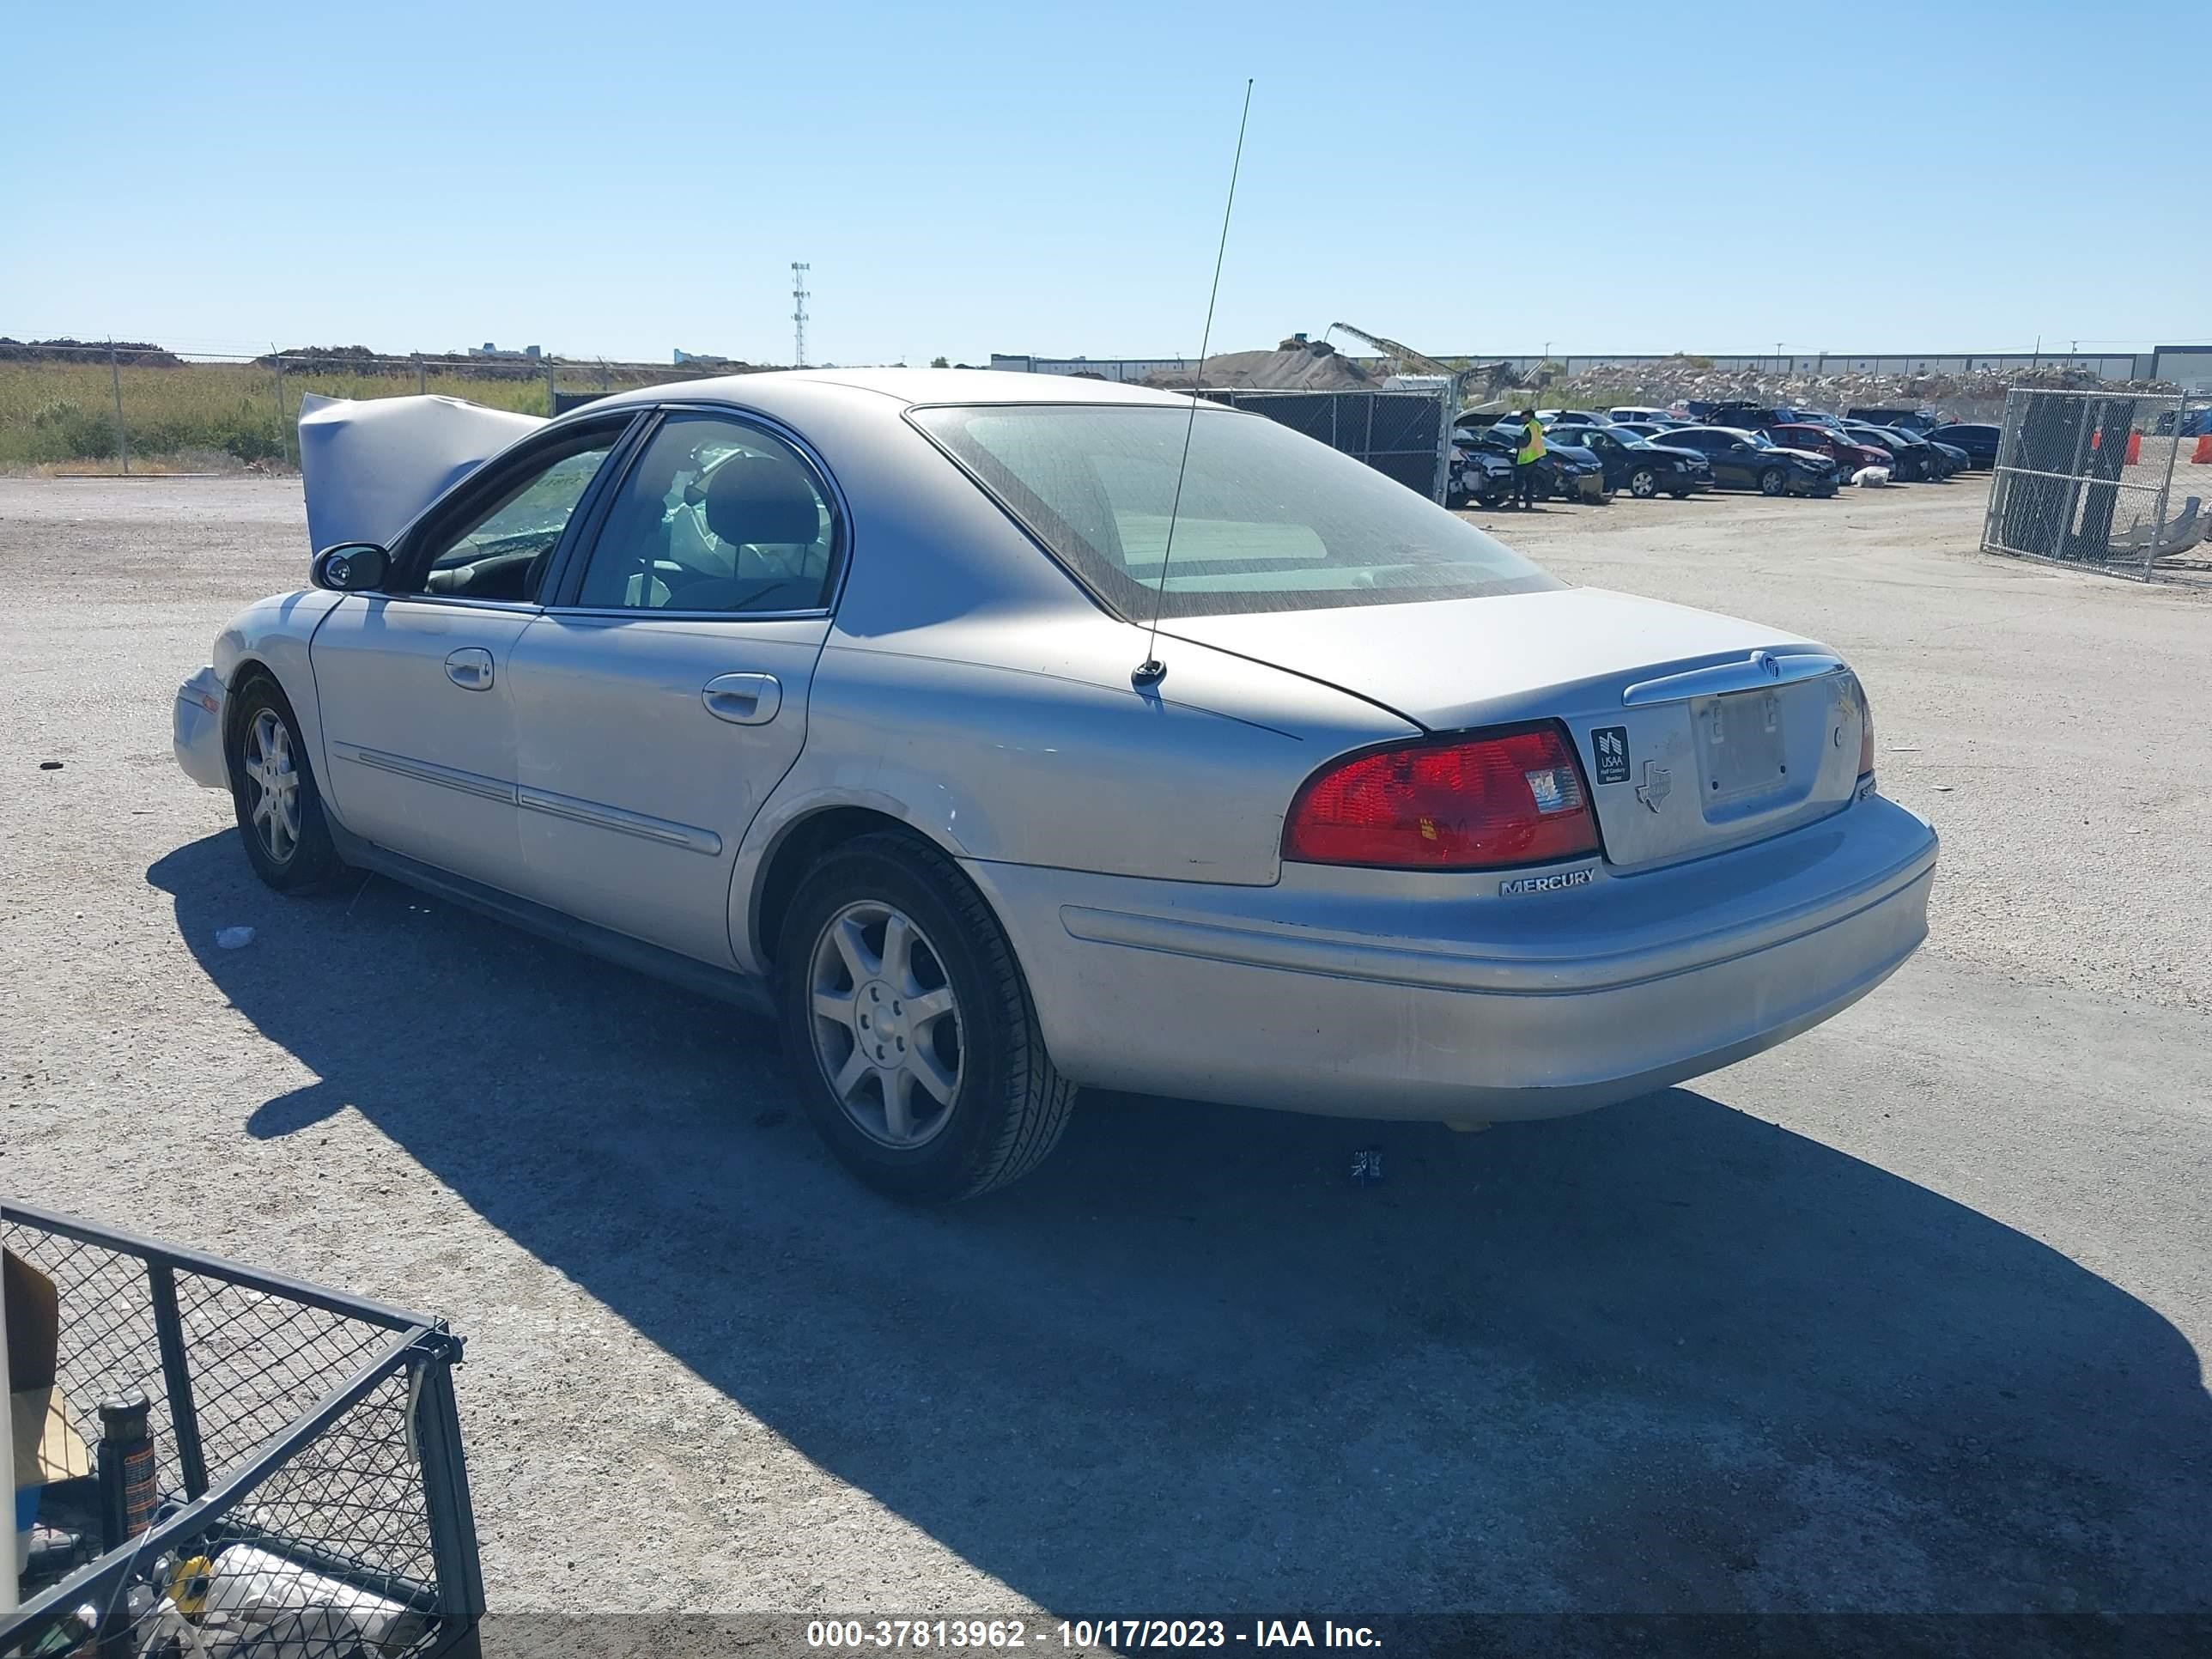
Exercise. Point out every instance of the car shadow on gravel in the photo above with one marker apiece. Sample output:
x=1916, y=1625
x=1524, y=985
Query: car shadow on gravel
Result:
x=1664, y=1356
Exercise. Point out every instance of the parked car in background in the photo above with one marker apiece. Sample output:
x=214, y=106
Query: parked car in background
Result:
x=1642, y=468
x=1909, y=420
x=1758, y=417
x=1450, y=839
x=1846, y=452
x=1956, y=459
x=1979, y=442
x=1750, y=460
x=1944, y=460
x=1913, y=459
x=1566, y=471
x=1578, y=474
x=1479, y=475
x=1552, y=417
x=1634, y=412
x=1563, y=471
x=1655, y=430
x=2195, y=423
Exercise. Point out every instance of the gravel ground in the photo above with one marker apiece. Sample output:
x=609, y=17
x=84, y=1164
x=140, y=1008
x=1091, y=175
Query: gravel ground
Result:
x=1904, y=1316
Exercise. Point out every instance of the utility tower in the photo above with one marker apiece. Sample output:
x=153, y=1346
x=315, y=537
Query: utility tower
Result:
x=798, y=270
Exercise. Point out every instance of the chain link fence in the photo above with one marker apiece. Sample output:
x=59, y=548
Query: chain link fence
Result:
x=129, y=409
x=292, y=1482
x=2103, y=481
x=1404, y=435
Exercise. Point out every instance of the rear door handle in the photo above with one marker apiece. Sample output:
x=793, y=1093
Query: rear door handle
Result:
x=470, y=668
x=742, y=699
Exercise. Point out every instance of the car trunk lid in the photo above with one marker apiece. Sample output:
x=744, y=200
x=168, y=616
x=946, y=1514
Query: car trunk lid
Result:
x=1696, y=732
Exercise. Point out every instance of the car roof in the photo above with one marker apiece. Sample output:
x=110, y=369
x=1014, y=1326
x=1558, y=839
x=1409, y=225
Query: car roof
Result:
x=908, y=386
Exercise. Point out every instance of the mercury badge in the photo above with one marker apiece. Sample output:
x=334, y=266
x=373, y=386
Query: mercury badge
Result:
x=1656, y=785
x=1550, y=884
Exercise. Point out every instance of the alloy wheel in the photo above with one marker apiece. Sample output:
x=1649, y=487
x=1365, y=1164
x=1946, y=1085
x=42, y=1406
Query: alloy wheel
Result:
x=273, y=782
x=885, y=1023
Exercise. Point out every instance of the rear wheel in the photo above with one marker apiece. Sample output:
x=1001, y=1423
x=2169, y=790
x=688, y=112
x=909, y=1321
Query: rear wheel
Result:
x=909, y=1027
x=272, y=786
x=1773, y=481
x=1643, y=483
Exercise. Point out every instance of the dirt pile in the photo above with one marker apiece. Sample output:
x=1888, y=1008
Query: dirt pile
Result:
x=1977, y=396
x=1294, y=366
x=130, y=354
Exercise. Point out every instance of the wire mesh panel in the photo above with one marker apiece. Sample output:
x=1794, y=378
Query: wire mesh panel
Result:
x=232, y=1463
x=1400, y=433
x=2100, y=480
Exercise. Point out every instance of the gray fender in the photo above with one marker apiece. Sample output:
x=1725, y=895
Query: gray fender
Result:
x=274, y=633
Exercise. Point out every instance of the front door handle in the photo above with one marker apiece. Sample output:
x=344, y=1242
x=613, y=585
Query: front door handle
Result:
x=742, y=699
x=470, y=668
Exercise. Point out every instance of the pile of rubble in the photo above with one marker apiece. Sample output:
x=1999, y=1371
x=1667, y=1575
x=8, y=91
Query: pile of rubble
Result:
x=1295, y=365
x=1979, y=395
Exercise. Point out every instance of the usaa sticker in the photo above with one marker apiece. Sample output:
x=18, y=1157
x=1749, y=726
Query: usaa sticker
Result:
x=1610, y=743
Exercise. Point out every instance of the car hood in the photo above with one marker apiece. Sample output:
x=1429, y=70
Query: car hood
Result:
x=369, y=465
x=1447, y=664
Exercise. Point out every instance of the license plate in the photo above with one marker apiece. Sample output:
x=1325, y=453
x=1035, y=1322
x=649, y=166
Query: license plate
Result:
x=1742, y=746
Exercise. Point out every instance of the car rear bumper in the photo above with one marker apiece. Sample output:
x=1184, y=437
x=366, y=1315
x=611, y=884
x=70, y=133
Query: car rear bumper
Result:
x=1371, y=995
x=197, y=730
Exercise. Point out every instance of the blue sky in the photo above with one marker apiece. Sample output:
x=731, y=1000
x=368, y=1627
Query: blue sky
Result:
x=621, y=180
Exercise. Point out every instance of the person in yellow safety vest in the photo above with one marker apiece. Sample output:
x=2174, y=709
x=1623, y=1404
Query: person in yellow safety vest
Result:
x=1525, y=458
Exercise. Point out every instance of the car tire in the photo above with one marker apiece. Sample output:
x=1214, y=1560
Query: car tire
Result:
x=288, y=839
x=1493, y=498
x=1773, y=481
x=1004, y=1105
x=1680, y=495
x=1643, y=483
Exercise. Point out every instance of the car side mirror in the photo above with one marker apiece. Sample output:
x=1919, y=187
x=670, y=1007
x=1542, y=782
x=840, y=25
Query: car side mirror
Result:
x=351, y=568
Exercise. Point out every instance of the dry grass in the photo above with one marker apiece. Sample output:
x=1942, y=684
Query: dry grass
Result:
x=61, y=416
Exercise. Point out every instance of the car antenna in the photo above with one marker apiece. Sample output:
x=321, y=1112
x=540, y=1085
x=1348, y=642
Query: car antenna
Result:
x=1152, y=671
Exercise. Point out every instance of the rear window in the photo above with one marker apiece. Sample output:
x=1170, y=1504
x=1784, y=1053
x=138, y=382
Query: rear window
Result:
x=1267, y=521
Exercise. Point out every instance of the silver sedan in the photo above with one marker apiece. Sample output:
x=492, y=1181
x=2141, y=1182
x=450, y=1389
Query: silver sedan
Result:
x=1000, y=735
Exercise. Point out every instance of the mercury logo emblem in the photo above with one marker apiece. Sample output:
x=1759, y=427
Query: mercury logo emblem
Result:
x=1656, y=785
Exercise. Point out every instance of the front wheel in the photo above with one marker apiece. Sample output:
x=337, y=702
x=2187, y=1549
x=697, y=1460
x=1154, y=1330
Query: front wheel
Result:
x=1643, y=483
x=1494, y=498
x=1773, y=482
x=909, y=1028
x=272, y=786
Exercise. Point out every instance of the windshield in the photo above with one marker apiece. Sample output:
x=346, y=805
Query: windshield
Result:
x=1761, y=439
x=1267, y=521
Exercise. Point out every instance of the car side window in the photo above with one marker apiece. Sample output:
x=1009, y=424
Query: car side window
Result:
x=499, y=547
x=717, y=515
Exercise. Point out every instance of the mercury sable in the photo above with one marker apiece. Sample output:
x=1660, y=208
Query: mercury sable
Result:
x=837, y=694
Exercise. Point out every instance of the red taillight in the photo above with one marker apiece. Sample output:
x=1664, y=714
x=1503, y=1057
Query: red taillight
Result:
x=1508, y=797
